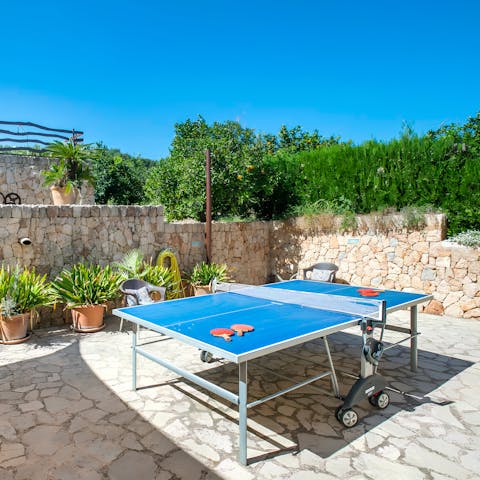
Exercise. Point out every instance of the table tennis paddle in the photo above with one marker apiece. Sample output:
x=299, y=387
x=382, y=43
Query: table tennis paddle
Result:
x=240, y=328
x=225, y=333
x=369, y=292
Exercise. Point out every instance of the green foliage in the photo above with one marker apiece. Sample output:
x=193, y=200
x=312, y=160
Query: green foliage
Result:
x=273, y=176
x=71, y=168
x=410, y=171
x=133, y=265
x=161, y=277
x=247, y=181
x=85, y=285
x=203, y=273
x=22, y=290
x=297, y=140
x=119, y=178
x=470, y=238
x=178, y=182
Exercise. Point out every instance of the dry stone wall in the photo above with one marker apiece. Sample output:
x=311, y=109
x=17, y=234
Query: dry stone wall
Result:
x=384, y=252
x=21, y=174
x=381, y=252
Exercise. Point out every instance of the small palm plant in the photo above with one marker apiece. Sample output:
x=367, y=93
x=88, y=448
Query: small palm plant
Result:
x=133, y=265
x=72, y=168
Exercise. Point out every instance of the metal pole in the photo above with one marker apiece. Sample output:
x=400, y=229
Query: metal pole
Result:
x=134, y=360
x=208, y=219
x=242, y=412
x=414, y=340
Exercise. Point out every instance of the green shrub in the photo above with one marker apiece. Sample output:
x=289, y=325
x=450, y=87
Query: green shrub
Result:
x=268, y=176
x=22, y=290
x=470, y=238
x=203, y=273
x=119, y=178
x=84, y=285
x=133, y=265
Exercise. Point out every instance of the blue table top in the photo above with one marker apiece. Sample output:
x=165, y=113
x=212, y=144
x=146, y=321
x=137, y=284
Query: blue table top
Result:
x=395, y=299
x=277, y=325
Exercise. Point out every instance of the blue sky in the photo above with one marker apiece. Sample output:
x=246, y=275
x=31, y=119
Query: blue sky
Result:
x=126, y=71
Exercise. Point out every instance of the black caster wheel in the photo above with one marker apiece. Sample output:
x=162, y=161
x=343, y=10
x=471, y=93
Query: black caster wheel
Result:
x=337, y=413
x=205, y=356
x=348, y=417
x=381, y=400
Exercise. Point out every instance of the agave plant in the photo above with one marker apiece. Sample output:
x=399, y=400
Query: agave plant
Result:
x=203, y=273
x=23, y=290
x=87, y=284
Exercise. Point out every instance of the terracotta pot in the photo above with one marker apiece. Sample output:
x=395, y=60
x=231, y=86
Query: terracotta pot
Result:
x=14, y=330
x=61, y=197
x=201, y=290
x=88, y=318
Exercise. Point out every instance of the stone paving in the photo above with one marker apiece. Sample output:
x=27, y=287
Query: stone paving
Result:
x=67, y=412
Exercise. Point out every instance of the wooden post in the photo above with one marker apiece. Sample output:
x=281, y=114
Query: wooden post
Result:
x=208, y=217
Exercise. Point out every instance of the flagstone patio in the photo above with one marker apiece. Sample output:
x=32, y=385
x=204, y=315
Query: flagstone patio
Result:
x=67, y=412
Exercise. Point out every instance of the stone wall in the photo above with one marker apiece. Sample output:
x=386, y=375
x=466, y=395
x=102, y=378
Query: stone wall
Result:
x=245, y=247
x=63, y=235
x=384, y=252
x=21, y=174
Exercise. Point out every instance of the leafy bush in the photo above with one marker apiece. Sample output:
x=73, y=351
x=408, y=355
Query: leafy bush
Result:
x=133, y=265
x=178, y=182
x=268, y=176
x=470, y=238
x=203, y=273
x=84, y=285
x=119, y=178
x=247, y=179
x=22, y=290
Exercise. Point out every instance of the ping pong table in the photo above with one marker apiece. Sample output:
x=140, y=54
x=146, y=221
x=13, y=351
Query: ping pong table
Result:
x=283, y=315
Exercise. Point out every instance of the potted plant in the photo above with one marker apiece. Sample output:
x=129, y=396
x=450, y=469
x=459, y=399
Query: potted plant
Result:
x=133, y=265
x=21, y=292
x=85, y=289
x=203, y=274
x=67, y=175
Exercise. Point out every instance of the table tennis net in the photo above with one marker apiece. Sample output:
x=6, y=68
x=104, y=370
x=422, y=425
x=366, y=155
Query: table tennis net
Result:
x=336, y=303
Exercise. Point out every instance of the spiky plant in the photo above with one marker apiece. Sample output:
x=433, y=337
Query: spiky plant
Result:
x=87, y=284
x=203, y=273
x=23, y=290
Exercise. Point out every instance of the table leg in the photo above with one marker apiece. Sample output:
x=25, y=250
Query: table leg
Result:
x=414, y=339
x=242, y=412
x=333, y=375
x=134, y=360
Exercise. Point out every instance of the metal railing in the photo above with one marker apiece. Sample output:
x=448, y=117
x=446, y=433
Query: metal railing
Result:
x=35, y=137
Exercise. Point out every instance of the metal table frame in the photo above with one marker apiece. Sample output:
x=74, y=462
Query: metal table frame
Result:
x=240, y=399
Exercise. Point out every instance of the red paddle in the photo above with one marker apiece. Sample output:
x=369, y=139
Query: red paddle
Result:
x=223, y=332
x=369, y=292
x=239, y=328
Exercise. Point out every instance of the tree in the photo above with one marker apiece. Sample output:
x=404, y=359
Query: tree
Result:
x=178, y=182
x=119, y=178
